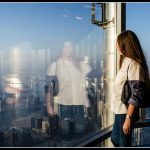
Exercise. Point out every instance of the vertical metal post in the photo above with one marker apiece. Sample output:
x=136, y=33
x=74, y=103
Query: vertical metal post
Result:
x=114, y=11
x=120, y=24
x=109, y=53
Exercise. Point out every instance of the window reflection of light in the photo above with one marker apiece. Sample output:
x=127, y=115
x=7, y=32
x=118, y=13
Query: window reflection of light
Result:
x=14, y=82
x=13, y=86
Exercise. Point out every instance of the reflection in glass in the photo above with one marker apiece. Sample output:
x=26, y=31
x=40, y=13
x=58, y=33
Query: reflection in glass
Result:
x=79, y=100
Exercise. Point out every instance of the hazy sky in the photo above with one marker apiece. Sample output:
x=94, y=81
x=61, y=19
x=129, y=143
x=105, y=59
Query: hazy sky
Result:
x=137, y=19
x=45, y=25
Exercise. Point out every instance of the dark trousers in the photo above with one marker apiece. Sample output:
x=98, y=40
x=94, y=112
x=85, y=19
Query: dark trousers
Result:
x=118, y=138
x=71, y=111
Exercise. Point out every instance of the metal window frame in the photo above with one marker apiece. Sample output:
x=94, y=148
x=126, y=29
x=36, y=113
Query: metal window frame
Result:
x=96, y=139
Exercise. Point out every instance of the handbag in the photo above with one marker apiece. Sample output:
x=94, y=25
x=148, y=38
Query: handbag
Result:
x=126, y=91
x=126, y=94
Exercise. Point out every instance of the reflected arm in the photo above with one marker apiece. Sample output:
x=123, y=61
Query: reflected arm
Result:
x=49, y=98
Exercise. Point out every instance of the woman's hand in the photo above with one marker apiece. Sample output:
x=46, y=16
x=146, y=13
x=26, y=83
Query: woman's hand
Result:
x=128, y=121
x=127, y=126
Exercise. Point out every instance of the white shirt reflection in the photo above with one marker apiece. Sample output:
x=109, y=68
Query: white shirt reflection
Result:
x=71, y=74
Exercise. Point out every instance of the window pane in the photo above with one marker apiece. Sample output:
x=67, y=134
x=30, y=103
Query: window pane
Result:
x=46, y=45
x=137, y=14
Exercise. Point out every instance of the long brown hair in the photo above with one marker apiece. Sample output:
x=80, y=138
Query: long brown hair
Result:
x=130, y=46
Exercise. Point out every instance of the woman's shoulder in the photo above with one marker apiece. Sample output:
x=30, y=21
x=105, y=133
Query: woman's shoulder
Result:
x=129, y=61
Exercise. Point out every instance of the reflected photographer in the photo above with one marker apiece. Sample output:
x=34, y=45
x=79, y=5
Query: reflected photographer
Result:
x=65, y=92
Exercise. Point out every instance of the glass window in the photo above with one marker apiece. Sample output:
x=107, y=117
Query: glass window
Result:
x=137, y=15
x=51, y=60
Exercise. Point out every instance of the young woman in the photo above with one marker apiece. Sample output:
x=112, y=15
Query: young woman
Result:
x=132, y=64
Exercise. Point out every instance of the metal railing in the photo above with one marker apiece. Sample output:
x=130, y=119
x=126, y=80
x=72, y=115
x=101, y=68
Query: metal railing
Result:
x=99, y=137
x=106, y=133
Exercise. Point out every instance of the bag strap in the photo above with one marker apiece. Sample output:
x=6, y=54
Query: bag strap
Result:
x=128, y=69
